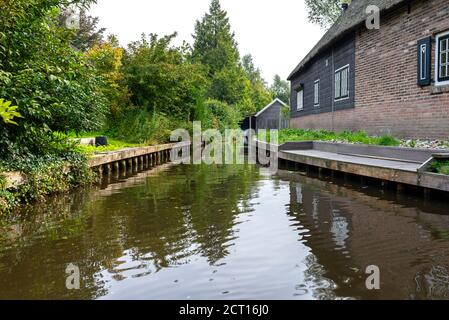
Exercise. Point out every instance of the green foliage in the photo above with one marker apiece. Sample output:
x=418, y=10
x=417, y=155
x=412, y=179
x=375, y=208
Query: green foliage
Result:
x=53, y=86
x=45, y=175
x=440, y=166
x=324, y=12
x=280, y=89
x=2, y=182
x=161, y=77
x=260, y=95
x=139, y=126
x=214, y=44
x=220, y=116
x=234, y=82
x=230, y=85
x=113, y=145
x=88, y=34
x=107, y=60
x=8, y=112
x=286, y=135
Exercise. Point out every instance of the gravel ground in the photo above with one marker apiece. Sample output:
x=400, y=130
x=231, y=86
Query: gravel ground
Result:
x=416, y=143
x=425, y=144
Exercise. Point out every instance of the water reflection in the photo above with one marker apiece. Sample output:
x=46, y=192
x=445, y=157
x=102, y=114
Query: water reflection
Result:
x=226, y=232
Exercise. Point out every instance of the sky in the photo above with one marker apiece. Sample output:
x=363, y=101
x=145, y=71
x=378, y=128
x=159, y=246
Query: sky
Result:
x=275, y=32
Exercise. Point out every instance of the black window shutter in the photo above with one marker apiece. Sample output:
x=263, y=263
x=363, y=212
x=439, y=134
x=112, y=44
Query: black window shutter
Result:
x=424, y=61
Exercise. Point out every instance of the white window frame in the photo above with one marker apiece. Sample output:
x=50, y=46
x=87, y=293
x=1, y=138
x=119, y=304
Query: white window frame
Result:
x=316, y=93
x=300, y=92
x=437, y=58
x=349, y=92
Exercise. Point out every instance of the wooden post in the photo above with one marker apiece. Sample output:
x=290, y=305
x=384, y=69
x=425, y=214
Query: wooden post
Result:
x=141, y=163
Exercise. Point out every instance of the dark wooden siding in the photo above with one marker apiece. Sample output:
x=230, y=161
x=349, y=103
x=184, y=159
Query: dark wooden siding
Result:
x=343, y=54
x=272, y=118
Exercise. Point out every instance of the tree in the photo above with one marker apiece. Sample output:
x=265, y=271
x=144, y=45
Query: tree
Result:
x=324, y=12
x=53, y=86
x=216, y=48
x=214, y=44
x=107, y=58
x=88, y=34
x=252, y=71
x=162, y=78
x=280, y=89
x=260, y=94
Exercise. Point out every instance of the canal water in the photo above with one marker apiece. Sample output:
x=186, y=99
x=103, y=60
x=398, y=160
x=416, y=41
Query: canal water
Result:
x=226, y=232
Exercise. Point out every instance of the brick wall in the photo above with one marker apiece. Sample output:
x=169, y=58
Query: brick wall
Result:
x=387, y=97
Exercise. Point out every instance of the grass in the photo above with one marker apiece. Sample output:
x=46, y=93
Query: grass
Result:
x=113, y=144
x=440, y=166
x=360, y=137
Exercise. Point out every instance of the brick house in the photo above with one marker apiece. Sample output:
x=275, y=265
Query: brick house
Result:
x=391, y=80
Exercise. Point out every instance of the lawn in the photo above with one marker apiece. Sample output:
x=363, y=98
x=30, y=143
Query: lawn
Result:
x=359, y=137
x=113, y=144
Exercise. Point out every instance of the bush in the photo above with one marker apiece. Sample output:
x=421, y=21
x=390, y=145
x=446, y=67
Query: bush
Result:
x=45, y=175
x=219, y=115
x=52, y=84
x=440, y=166
x=139, y=126
x=362, y=137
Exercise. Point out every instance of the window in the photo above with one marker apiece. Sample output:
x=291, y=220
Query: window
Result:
x=316, y=93
x=342, y=83
x=442, y=59
x=300, y=99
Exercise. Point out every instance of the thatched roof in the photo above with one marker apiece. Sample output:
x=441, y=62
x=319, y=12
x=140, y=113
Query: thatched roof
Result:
x=347, y=22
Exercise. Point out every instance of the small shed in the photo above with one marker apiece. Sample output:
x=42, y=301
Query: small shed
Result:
x=273, y=116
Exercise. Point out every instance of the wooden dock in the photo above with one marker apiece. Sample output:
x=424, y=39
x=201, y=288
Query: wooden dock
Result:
x=135, y=157
x=118, y=162
x=399, y=165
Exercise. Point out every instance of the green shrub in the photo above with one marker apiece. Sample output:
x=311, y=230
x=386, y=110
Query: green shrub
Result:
x=52, y=84
x=361, y=136
x=220, y=115
x=388, y=141
x=45, y=175
x=140, y=127
x=440, y=166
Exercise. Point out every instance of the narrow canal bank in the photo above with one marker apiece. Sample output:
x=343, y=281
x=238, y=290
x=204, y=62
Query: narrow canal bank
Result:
x=19, y=188
x=226, y=232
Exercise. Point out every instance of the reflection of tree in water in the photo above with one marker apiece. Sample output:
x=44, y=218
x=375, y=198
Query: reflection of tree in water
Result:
x=220, y=194
x=39, y=242
x=322, y=287
x=158, y=223
x=433, y=284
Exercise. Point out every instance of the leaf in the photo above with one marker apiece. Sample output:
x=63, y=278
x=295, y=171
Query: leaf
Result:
x=8, y=112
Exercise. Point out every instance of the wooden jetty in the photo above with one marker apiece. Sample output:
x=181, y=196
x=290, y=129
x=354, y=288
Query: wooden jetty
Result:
x=393, y=164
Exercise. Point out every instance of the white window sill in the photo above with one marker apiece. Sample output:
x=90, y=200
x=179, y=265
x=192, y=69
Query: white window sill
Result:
x=438, y=89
